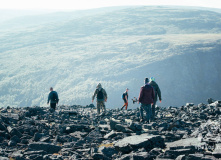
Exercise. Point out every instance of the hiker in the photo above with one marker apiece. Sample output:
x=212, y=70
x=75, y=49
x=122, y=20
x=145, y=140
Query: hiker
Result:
x=125, y=99
x=134, y=100
x=53, y=98
x=101, y=98
x=146, y=98
x=157, y=94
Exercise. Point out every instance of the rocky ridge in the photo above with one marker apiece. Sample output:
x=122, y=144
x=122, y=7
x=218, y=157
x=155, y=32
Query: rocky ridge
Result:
x=76, y=132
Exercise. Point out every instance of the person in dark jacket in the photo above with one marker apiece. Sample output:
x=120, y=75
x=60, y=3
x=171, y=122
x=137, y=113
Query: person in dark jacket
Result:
x=53, y=98
x=146, y=98
x=101, y=95
x=157, y=94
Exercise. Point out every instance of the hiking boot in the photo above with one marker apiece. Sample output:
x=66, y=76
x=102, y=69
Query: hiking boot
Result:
x=147, y=121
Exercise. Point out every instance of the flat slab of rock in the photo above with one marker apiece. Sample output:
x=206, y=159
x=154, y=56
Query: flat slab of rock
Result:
x=186, y=143
x=49, y=148
x=112, y=134
x=2, y=127
x=138, y=156
x=146, y=141
x=217, y=152
x=113, y=123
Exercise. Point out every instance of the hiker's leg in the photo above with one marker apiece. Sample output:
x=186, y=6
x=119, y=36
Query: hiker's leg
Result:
x=98, y=107
x=126, y=105
x=149, y=112
x=123, y=106
x=141, y=111
x=145, y=108
x=153, y=110
x=53, y=106
x=104, y=107
x=101, y=107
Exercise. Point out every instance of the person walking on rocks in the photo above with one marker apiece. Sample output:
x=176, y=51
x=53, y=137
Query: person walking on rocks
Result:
x=125, y=99
x=53, y=98
x=146, y=98
x=157, y=93
x=101, y=98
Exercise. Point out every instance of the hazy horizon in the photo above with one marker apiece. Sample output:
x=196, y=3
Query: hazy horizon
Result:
x=92, y=4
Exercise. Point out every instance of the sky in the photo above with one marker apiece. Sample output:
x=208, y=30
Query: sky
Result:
x=90, y=4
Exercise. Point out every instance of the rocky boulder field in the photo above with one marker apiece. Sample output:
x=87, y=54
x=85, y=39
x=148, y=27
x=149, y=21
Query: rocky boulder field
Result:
x=190, y=132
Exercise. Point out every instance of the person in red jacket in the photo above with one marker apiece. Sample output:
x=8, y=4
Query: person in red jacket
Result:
x=146, y=98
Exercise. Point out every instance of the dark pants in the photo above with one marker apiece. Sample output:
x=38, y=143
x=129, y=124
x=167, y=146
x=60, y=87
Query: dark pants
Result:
x=100, y=106
x=53, y=105
x=125, y=104
x=153, y=110
x=147, y=108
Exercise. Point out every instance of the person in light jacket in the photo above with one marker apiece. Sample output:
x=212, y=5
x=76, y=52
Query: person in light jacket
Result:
x=157, y=93
x=101, y=95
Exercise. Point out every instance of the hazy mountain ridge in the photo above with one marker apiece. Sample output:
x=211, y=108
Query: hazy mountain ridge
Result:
x=117, y=49
x=145, y=21
x=19, y=19
x=137, y=21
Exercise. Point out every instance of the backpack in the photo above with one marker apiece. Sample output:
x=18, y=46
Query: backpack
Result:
x=100, y=94
x=123, y=96
x=53, y=96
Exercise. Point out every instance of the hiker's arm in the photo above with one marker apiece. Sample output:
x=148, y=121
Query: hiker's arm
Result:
x=95, y=92
x=140, y=95
x=48, y=98
x=153, y=94
x=159, y=93
x=57, y=97
x=105, y=95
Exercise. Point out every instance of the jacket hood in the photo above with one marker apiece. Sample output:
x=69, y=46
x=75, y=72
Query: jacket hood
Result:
x=147, y=85
x=99, y=85
x=153, y=83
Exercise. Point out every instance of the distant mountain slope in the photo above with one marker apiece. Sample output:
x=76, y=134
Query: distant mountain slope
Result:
x=21, y=19
x=179, y=47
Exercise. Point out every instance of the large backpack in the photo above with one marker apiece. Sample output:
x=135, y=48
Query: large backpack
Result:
x=53, y=96
x=100, y=94
x=123, y=96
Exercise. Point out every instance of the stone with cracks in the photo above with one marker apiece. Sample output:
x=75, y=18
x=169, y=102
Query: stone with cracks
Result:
x=113, y=123
x=146, y=141
x=14, y=131
x=2, y=127
x=217, y=152
x=49, y=148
